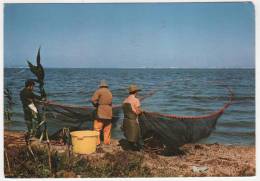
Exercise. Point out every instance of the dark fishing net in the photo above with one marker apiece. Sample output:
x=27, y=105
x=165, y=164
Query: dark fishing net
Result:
x=177, y=130
x=59, y=116
x=171, y=129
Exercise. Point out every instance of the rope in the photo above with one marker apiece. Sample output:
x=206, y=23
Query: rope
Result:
x=213, y=114
x=54, y=103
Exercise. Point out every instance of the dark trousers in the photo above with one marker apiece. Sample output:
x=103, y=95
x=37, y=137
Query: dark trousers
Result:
x=29, y=120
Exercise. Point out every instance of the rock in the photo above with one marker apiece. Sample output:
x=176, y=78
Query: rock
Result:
x=202, y=169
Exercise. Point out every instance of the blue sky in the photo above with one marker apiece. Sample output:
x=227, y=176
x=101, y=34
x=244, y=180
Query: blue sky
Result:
x=182, y=35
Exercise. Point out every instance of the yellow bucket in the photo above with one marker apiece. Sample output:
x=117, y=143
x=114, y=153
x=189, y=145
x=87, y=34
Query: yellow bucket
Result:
x=84, y=142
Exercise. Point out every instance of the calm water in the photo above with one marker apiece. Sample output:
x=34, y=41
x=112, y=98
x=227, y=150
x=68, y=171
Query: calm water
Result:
x=182, y=92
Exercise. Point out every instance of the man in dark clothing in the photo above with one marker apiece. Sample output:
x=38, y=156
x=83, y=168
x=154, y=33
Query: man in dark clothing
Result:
x=132, y=109
x=28, y=99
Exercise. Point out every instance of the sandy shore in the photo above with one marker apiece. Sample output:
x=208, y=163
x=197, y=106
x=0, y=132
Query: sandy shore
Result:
x=197, y=160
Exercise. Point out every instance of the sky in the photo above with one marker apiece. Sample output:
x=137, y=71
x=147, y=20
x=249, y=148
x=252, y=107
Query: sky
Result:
x=151, y=35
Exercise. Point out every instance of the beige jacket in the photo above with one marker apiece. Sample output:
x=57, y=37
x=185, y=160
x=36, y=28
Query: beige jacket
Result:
x=103, y=98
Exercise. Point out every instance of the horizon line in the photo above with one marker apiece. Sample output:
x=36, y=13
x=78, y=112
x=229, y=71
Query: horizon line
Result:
x=139, y=67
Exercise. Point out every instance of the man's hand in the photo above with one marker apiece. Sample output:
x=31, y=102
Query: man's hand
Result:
x=44, y=99
x=138, y=110
x=95, y=104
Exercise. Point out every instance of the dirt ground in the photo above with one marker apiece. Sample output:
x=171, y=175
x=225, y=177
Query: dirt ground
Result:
x=196, y=159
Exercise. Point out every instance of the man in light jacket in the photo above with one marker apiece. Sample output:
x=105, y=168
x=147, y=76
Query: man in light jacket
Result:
x=102, y=100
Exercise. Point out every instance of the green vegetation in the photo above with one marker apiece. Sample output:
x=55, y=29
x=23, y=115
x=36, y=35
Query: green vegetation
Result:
x=118, y=164
x=8, y=103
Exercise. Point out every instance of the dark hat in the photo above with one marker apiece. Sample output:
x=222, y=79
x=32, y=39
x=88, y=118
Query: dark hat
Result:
x=29, y=82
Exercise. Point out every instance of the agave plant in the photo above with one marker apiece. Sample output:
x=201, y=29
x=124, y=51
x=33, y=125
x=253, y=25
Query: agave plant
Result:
x=38, y=71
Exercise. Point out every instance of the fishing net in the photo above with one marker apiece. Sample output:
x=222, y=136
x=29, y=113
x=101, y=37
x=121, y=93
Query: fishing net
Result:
x=175, y=130
x=171, y=129
x=59, y=116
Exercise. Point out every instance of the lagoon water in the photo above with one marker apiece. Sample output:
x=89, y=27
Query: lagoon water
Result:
x=181, y=92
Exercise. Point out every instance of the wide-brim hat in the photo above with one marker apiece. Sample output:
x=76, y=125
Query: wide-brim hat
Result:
x=133, y=88
x=29, y=82
x=103, y=83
